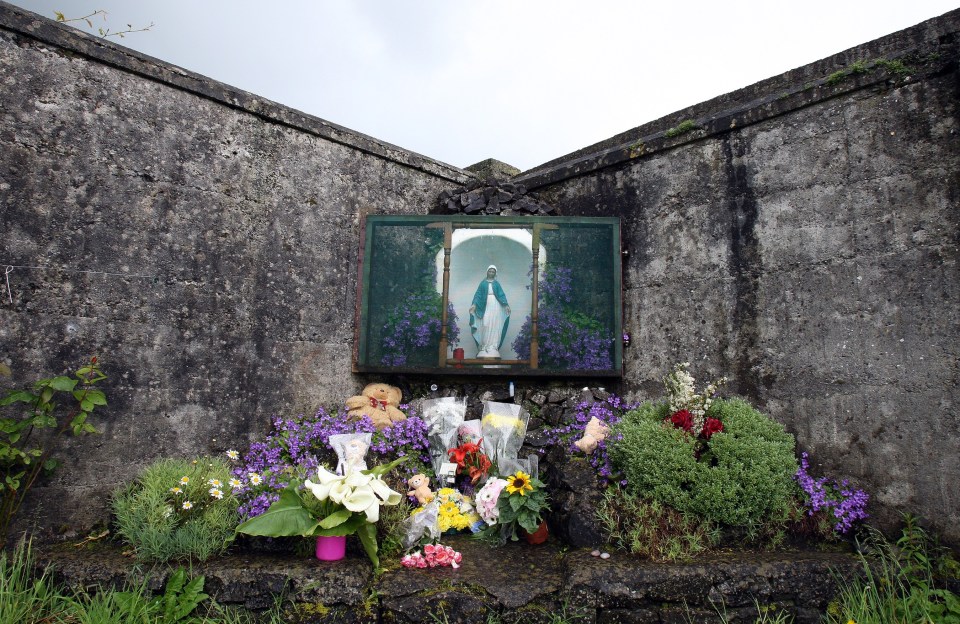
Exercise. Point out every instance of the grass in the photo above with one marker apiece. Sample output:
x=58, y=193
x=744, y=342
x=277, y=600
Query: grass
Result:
x=902, y=583
x=29, y=599
x=650, y=529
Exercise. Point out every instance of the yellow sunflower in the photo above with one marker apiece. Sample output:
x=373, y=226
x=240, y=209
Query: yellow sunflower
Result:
x=519, y=482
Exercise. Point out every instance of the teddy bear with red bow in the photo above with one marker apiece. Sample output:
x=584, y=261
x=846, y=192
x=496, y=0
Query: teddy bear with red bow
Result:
x=380, y=402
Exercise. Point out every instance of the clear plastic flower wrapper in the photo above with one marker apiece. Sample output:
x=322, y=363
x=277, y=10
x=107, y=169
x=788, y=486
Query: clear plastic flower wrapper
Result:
x=503, y=426
x=530, y=465
x=470, y=432
x=422, y=527
x=351, y=450
x=443, y=417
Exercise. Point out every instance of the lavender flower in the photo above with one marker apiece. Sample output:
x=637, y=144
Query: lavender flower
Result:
x=608, y=411
x=848, y=505
x=297, y=446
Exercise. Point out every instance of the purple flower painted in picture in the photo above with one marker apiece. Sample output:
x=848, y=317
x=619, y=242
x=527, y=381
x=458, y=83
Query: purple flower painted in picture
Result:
x=413, y=327
x=566, y=337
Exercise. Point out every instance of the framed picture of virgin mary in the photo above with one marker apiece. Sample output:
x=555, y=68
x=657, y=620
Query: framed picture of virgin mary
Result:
x=489, y=296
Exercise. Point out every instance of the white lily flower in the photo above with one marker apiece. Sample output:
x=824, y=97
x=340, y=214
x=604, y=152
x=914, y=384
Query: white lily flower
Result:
x=328, y=482
x=384, y=493
x=363, y=500
x=358, y=479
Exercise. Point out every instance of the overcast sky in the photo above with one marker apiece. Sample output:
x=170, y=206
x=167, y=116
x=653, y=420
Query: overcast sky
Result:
x=523, y=81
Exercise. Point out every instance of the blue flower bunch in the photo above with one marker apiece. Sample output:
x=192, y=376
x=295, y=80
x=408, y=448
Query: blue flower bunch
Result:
x=609, y=411
x=567, y=338
x=297, y=446
x=847, y=504
x=414, y=324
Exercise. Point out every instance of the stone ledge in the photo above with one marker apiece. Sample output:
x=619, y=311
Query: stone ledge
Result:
x=521, y=583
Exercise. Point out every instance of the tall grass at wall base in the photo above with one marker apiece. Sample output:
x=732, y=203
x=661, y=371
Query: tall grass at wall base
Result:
x=904, y=582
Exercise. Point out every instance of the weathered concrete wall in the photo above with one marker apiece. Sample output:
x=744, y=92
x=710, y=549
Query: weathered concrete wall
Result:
x=803, y=240
x=201, y=240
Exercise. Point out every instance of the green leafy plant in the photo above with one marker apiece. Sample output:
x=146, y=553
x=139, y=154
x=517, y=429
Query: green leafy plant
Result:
x=521, y=504
x=336, y=505
x=687, y=125
x=177, y=509
x=651, y=529
x=745, y=479
x=901, y=582
x=25, y=453
x=896, y=66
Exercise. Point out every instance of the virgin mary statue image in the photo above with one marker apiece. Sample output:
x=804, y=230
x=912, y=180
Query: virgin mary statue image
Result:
x=489, y=316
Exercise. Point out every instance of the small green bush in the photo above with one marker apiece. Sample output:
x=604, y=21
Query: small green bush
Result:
x=172, y=511
x=743, y=479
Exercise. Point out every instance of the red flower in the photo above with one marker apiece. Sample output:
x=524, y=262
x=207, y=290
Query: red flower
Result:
x=710, y=427
x=682, y=420
x=483, y=466
x=457, y=455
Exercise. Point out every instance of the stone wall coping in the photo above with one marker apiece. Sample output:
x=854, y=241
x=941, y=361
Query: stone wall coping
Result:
x=514, y=580
x=919, y=47
x=75, y=42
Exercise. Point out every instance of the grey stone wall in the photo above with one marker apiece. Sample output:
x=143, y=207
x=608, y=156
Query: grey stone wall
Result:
x=802, y=239
x=202, y=241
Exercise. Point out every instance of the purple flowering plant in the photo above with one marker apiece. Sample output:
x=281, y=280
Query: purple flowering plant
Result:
x=567, y=338
x=414, y=326
x=297, y=446
x=846, y=504
x=609, y=411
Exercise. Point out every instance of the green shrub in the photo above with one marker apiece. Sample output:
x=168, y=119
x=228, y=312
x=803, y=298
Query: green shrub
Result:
x=743, y=478
x=172, y=511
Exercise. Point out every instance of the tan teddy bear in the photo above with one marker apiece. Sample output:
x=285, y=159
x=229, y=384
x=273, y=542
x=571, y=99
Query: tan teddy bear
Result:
x=595, y=431
x=420, y=485
x=379, y=401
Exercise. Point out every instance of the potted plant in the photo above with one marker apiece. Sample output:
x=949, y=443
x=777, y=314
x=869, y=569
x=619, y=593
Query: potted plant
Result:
x=520, y=503
x=332, y=507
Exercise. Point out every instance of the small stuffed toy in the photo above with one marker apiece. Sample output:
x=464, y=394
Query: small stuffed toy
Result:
x=420, y=488
x=379, y=401
x=595, y=431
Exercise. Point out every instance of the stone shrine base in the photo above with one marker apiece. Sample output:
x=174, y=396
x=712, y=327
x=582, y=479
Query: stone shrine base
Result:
x=518, y=583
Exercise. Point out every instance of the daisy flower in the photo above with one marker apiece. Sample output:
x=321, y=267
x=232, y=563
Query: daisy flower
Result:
x=184, y=480
x=235, y=483
x=233, y=455
x=216, y=493
x=255, y=479
x=214, y=482
x=176, y=490
x=187, y=505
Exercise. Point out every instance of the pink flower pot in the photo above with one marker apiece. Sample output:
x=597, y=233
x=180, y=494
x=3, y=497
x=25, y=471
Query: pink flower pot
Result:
x=331, y=548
